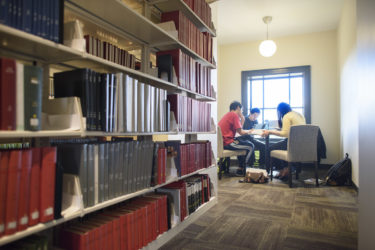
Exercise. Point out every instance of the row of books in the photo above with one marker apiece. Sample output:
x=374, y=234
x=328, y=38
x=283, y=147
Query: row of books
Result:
x=185, y=196
x=202, y=9
x=27, y=188
x=190, y=114
x=20, y=95
x=190, y=74
x=129, y=226
x=39, y=17
x=195, y=156
x=109, y=52
x=34, y=242
x=108, y=169
x=115, y=102
x=190, y=35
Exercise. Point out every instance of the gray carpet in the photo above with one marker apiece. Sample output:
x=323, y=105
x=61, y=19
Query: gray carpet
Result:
x=272, y=216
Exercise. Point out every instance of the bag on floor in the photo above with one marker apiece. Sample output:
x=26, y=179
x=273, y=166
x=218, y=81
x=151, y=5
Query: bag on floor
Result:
x=254, y=175
x=341, y=173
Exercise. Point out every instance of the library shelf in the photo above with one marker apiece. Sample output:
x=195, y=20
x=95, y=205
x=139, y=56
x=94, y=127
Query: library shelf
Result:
x=78, y=133
x=134, y=24
x=167, y=236
x=80, y=213
x=172, y=5
x=31, y=46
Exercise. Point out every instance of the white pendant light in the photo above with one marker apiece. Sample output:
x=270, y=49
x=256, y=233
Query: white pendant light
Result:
x=267, y=47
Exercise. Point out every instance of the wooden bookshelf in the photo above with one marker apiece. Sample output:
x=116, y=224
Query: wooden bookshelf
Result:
x=43, y=226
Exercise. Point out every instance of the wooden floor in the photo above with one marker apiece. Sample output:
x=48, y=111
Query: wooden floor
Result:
x=272, y=216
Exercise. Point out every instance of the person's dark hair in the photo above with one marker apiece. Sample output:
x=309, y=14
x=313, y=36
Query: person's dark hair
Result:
x=254, y=110
x=234, y=105
x=282, y=109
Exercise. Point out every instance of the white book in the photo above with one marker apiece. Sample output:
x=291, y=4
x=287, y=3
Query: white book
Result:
x=20, y=109
x=147, y=107
x=141, y=107
x=119, y=119
x=128, y=82
x=135, y=106
x=157, y=110
x=152, y=109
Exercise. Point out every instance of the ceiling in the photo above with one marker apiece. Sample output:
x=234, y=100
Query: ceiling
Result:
x=241, y=20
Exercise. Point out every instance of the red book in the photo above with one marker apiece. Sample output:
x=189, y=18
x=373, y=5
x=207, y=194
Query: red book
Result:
x=23, y=209
x=14, y=172
x=4, y=161
x=74, y=239
x=128, y=230
x=136, y=232
x=47, y=183
x=91, y=235
x=97, y=233
x=103, y=230
x=33, y=207
x=142, y=233
x=117, y=237
x=108, y=222
x=151, y=217
x=7, y=94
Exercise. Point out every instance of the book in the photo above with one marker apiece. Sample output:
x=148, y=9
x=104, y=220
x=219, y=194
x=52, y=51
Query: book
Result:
x=33, y=77
x=20, y=98
x=7, y=94
x=34, y=192
x=12, y=197
x=22, y=213
x=47, y=183
x=4, y=164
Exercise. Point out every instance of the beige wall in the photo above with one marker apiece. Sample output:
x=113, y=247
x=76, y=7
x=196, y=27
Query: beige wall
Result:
x=318, y=50
x=346, y=45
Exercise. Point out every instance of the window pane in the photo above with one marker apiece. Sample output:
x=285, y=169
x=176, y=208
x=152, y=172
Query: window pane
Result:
x=257, y=94
x=275, y=91
x=276, y=76
x=296, y=92
x=248, y=95
x=270, y=114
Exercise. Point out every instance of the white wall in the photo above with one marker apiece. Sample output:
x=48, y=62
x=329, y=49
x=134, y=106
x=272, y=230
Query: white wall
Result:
x=346, y=44
x=318, y=50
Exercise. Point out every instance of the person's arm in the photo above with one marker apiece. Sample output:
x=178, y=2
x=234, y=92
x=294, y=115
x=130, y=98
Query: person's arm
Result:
x=243, y=131
x=242, y=119
x=284, y=132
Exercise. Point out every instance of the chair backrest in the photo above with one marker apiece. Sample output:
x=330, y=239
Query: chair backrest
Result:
x=302, y=143
x=220, y=142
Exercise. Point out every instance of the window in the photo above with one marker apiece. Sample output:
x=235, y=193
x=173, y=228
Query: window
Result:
x=265, y=89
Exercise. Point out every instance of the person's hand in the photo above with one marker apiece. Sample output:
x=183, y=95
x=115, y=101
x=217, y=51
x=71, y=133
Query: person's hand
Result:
x=249, y=132
x=242, y=117
x=265, y=133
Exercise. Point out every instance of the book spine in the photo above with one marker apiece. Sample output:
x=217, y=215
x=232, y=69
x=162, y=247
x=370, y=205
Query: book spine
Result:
x=47, y=183
x=7, y=94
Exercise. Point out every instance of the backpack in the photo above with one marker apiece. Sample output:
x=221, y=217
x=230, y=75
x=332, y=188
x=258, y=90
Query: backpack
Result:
x=340, y=173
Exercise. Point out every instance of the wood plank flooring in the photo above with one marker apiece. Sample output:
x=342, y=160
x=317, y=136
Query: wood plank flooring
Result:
x=272, y=216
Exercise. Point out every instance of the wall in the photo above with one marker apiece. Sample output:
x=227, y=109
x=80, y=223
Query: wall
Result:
x=346, y=45
x=317, y=49
x=365, y=81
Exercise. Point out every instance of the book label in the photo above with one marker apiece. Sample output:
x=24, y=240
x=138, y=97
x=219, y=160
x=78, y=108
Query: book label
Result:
x=35, y=215
x=12, y=225
x=48, y=211
x=24, y=220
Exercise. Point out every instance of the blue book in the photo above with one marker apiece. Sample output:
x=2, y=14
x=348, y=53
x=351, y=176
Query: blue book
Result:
x=57, y=17
x=44, y=24
x=4, y=11
x=26, y=15
x=51, y=15
x=40, y=17
x=34, y=24
x=19, y=14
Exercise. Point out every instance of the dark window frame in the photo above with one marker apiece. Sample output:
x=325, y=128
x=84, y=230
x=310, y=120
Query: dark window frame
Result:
x=306, y=72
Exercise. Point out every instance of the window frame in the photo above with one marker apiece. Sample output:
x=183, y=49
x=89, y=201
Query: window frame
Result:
x=306, y=73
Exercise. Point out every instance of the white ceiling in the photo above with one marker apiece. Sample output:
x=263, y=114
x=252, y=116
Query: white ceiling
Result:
x=241, y=20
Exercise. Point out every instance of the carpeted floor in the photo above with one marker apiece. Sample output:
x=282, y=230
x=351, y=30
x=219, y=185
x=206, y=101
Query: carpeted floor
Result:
x=272, y=216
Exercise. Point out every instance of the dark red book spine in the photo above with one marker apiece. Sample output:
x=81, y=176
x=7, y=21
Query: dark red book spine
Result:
x=4, y=164
x=14, y=172
x=23, y=203
x=47, y=183
x=7, y=94
x=34, y=191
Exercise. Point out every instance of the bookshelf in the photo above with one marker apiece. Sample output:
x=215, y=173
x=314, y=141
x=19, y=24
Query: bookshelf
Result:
x=116, y=16
x=43, y=226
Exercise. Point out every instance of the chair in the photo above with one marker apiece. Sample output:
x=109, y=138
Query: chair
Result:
x=224, y=154
x=302, y=148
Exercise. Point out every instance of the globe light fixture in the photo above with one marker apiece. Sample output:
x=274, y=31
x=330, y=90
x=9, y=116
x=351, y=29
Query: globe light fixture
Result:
x=267, y=47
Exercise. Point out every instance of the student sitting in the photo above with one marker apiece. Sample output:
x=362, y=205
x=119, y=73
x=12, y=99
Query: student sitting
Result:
x=230, y=124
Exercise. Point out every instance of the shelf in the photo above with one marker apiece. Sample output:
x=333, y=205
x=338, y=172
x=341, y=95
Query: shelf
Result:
x=167, y=236
x=135, y=25
x=172, y=5
x=46, y=51
x=43, y=226
x=58, y=133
